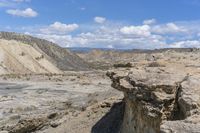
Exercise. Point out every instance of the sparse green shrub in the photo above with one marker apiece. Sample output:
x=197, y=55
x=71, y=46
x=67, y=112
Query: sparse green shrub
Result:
x=122, y=65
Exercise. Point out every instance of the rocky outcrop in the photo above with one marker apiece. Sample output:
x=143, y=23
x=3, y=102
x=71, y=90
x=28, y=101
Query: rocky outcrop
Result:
x=25, y=125
x=158, y=100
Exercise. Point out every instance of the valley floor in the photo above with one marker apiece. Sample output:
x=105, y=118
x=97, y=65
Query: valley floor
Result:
x=73, y=102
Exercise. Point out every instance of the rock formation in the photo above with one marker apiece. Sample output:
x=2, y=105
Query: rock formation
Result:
x=159, y=99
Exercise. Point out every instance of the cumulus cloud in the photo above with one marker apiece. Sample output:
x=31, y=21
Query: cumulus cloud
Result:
x=186, y=44
x=23, y=13
x=105, y=37
x=168, y=29
x=63, y=40
x=143, y=30
x=118, y=35
x=59, y=27
x=149, y=21
x=99, y=20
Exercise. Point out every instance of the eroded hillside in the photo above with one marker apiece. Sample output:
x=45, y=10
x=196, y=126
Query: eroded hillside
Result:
x=26, y=54
x=105, y=59
x=21, y=58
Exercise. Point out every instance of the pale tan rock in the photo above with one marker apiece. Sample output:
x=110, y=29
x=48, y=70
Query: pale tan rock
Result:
x=159, y=102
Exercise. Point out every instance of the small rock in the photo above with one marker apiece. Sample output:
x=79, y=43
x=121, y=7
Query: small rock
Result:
x=53, y=115
x=55, y=124
x=105, y=104
x=15, y=117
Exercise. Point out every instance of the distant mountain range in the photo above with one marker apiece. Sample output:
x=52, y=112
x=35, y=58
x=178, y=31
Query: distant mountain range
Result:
x=87, y=49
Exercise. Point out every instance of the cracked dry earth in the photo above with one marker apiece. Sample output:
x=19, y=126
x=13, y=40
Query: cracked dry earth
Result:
x=159, y=97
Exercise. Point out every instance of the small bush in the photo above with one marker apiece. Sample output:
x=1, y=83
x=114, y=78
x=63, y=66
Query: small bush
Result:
x=40, y=57
x=22, y=54
x=122, y=65
x=155, y=64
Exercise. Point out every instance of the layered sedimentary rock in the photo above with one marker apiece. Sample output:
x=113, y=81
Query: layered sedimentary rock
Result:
x=159, y=99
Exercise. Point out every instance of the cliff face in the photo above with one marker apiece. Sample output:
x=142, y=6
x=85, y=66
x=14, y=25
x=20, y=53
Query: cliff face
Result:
x=159, y=99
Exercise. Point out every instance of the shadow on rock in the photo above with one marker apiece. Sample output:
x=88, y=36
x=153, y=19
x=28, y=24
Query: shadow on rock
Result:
x=111, y=122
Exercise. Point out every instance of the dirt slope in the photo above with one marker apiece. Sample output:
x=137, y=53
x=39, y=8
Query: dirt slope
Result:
x=57, y=56
x=16, y=57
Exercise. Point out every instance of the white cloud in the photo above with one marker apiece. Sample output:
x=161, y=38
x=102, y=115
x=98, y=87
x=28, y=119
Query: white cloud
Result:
x=118, y=35
x=143, y=30
x=82, y=8
x=6, y=3
x=12, y=3
x=21, y=0
x=64, y=27
x=99, y=20
x=59, y=27
x=149, y=21
x=186, y=44
x=22, y=13
x=168, y=29
x=106, y=36
x=63, y=40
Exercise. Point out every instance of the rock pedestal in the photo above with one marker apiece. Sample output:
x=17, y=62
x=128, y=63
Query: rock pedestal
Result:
x=158, y=101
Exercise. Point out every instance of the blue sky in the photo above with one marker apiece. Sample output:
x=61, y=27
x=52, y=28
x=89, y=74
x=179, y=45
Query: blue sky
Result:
x=106, y=23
